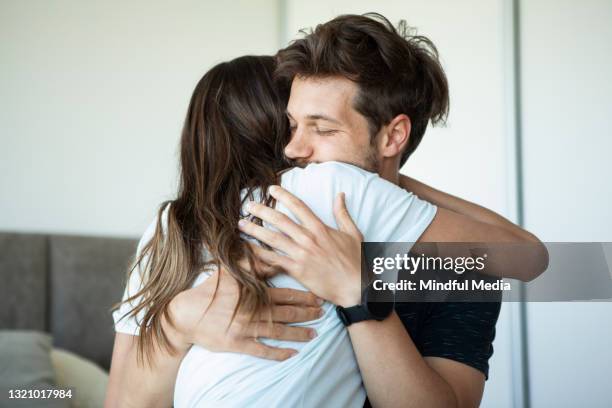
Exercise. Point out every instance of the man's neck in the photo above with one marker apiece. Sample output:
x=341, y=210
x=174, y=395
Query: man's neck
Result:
x=389, y=170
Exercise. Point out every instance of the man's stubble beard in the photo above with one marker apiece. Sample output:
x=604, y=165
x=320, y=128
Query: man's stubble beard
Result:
x=368, y=163
x=369, y=160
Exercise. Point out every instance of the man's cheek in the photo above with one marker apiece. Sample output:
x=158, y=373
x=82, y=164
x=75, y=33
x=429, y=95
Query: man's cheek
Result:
x=338, y=151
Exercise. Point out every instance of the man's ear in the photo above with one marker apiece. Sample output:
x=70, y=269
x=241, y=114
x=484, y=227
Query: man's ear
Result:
x=396, y=136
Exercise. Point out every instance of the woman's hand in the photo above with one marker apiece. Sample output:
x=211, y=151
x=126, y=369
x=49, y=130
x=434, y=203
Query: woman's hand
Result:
x=325, y=260
x=206, y=321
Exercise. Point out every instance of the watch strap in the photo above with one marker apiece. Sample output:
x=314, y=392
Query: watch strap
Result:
x=353, y=314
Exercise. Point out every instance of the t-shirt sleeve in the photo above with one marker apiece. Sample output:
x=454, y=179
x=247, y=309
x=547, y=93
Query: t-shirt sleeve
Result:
x=460, y=331
x=123, y=322
x=383, y=211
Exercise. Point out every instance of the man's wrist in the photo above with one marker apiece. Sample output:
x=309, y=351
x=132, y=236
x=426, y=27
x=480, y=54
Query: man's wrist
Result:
x=351, y=296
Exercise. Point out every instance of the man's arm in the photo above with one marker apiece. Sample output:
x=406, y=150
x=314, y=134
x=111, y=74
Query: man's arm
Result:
x=396, y=375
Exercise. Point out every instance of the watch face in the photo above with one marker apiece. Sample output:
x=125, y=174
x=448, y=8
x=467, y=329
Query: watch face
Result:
x=380, y=303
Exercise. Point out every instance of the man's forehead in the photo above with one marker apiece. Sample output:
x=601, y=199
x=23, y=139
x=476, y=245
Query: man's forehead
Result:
x=321, y=96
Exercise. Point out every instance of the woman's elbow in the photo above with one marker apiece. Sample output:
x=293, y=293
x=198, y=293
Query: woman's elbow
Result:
x=530, y=253
x=536, y=258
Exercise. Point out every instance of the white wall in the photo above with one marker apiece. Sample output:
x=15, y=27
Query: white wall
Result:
x=567, y=133
x=93, y=96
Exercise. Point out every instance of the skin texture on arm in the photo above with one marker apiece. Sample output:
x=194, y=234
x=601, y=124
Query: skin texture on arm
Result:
x=464, y=207
x=131, y=385
x=512, y=252
x=396, y=375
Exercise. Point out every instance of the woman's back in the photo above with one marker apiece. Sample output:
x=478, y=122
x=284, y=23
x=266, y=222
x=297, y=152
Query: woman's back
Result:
x=324, y=372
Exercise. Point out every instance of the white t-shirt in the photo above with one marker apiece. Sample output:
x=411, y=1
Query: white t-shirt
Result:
x=324, y=372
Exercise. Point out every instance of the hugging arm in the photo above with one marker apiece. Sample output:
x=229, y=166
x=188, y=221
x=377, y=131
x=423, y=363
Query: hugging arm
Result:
x=131, y=385
x=199, y=315
x=514, y=252
x=206, y=320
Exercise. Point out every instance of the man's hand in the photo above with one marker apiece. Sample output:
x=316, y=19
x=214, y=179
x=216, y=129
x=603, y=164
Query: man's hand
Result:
x=206, y=321
x=325, y=260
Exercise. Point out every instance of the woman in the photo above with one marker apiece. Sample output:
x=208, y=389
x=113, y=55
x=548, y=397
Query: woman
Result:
x=231, y=150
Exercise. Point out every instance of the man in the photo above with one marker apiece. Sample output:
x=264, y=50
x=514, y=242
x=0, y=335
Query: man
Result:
x=363, y=93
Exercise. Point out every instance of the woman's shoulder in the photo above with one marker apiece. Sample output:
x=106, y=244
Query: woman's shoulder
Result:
x=158, y=221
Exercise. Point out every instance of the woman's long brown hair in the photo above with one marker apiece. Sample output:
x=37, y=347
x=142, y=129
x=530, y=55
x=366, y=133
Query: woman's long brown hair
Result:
x=231, y=142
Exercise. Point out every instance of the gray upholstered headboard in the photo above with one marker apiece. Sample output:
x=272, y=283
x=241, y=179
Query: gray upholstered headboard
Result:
x=64, y=285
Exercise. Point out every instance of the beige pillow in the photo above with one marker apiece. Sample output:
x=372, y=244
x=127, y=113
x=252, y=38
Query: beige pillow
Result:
x=25, y=364
x=86, y=378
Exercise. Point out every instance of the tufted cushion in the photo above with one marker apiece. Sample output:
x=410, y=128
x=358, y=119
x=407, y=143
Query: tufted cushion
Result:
x=87, y=277
x=23, y=263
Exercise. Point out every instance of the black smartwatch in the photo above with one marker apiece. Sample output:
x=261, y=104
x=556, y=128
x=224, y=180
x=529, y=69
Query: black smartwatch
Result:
x=375, y=305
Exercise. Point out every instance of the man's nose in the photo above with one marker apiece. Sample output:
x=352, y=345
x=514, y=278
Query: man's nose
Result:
x=299, y=147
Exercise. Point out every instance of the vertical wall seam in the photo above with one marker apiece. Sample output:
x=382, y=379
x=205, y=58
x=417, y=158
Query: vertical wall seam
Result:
x=48, y=283
x=520, y=191
x=520, y=358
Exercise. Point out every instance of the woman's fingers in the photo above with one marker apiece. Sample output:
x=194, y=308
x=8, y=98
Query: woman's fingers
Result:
x=295, y=314
x=279, y=331
x=257, y=349
x=343, y=218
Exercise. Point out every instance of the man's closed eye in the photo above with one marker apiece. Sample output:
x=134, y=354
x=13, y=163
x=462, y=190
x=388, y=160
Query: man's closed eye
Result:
x=325, y=132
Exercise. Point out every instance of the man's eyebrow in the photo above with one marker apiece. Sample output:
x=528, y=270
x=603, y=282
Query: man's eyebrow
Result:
x=320, y=116
x=317, y=116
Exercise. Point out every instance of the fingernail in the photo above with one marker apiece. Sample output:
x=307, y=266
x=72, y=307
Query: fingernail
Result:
x=273, y=189
x=320, y=312
x=312, y=334
x=292, y=353
x=242, y=223
x=320, y=301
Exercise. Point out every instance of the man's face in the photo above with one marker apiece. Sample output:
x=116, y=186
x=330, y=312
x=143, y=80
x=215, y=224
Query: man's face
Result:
x=325, y=126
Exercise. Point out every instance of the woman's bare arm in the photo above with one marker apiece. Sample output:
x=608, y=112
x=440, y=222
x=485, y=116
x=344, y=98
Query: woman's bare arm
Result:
x=464, y=207
x=133, y=385
x=461, y=222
